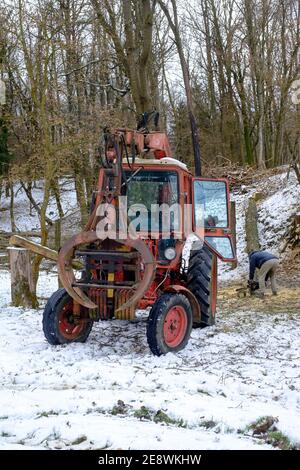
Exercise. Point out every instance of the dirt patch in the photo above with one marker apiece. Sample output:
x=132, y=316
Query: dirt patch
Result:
x=287, y=300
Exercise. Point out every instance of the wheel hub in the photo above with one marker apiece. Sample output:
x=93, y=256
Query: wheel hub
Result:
x=66, y=323
x=175, y=326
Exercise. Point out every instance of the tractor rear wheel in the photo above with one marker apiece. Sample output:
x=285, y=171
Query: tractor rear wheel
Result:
x=202, y=282
x=169, y=324
x=58, y=321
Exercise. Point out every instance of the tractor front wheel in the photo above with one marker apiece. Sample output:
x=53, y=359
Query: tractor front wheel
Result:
x=169, y=324
x=59, y=323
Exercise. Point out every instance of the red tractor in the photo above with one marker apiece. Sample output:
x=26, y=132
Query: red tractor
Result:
x=136, y=252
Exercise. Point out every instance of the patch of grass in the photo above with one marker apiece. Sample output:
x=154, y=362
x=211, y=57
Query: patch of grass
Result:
x=228, y=430
x=162, y=417
x=79, y=440
x=278, y=439
x=181, y=423
x=208, y=424
x=46, y=414
x=95, y=410
x=119, y=409
x=158, y=417
x=262, y=425
x=55, y=435
x=3, y=417
x=265, y=429
x=143, y=413
x=203, y=391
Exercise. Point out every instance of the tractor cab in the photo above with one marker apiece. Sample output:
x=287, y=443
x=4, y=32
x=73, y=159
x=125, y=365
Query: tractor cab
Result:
x=162, y=197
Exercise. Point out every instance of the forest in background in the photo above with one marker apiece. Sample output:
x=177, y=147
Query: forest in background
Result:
x=72, y=67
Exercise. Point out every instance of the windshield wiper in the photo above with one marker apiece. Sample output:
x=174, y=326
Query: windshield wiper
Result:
x=132, y=176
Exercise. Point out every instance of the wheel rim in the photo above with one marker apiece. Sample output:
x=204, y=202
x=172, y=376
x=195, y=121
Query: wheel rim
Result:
x=66, y=325
x=175, y=326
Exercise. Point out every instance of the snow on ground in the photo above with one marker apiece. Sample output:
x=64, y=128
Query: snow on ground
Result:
x=245, y=367
x=26, y=221
x=281, y=200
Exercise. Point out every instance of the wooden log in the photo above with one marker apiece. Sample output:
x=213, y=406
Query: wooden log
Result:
x=41, y=250
x=44, y=251
x=22, y=286
x=242, y=292
x=252, y=238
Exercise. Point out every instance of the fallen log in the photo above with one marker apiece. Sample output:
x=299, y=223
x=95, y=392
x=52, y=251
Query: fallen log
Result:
x=38, y=249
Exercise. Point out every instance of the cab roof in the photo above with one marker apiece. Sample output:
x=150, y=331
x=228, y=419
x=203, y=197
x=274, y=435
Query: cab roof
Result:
x=163, y=161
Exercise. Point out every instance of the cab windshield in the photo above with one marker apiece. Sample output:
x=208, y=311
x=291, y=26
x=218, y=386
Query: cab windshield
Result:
x=148, y=188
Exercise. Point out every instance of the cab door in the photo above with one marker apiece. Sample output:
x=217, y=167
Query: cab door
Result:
x=211, y=216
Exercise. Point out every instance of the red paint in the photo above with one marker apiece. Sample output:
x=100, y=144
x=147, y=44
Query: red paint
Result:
x=175, y=326
x=67, y=328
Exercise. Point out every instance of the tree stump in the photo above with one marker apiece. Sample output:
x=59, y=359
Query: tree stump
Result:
x=252, y=238
x=22, y=286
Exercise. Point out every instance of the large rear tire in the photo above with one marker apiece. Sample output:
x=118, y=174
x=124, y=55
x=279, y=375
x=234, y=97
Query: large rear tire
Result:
x=202, y=282
x=169, y=324
x=58, y=321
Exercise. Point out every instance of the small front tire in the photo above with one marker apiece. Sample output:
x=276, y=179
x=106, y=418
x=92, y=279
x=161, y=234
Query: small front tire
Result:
x=169, y=324
x=58, y=321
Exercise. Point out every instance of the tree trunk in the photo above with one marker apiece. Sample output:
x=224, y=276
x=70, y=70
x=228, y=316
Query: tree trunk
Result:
x=81, y=197
x=174, y=25
x=57, y=234
x=252, y=237
x=23, y=292
x=11, y=209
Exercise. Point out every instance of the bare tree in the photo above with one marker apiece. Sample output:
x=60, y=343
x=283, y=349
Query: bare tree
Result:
x=174, y=25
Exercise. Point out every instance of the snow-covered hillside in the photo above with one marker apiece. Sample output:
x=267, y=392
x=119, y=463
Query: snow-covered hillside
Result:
x=280, y=201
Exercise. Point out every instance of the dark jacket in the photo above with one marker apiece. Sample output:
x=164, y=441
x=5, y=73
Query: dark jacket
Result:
x=257, y=259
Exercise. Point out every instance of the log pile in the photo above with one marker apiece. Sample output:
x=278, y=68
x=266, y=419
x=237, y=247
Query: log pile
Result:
x=238, y=176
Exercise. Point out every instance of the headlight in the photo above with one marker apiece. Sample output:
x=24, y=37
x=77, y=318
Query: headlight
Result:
x=170, y=253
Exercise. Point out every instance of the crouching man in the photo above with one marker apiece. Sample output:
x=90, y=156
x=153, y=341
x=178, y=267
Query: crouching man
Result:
x=262, y=266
